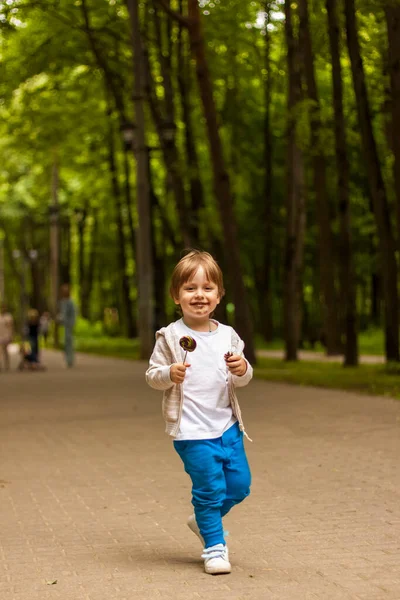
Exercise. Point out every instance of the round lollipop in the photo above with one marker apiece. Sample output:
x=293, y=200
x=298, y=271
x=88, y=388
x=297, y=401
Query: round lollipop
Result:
x=188, y=344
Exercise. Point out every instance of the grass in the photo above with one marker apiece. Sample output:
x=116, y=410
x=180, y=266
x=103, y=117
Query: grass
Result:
x=116, y=347
x=369, y=342
x=381, y=380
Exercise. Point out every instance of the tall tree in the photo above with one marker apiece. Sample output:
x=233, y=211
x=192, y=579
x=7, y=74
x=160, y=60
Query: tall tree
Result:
x=295, y=205
x=166, y=133
x=347, y=278
x=377, y=188
x=55, y=243
x=221, y=180
x=392, y=13
x=325, y=243
x=185, y=85
x=91, y=266
x=162, y=108
x=265, y=297
x=122, y=257
x=81, y=221
x=144, y=260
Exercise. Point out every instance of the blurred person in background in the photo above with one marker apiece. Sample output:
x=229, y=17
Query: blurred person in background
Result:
x=6, y=336
x=44, y=326
x=32, y=330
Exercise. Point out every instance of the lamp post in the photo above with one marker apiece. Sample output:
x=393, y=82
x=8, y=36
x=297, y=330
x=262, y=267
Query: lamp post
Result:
x=54, y=245
x=129, y=134
x=128, y=130
x=31, y=256
x=17, y=255
x=168, y=131
x=54, y=256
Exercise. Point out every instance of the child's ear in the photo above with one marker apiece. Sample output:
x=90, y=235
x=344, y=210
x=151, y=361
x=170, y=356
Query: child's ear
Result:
x=176, y=301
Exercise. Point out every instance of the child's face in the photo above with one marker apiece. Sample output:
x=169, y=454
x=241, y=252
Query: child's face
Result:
x=198, y=297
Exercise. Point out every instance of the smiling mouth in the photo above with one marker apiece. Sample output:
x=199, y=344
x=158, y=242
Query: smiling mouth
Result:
x=199, y=304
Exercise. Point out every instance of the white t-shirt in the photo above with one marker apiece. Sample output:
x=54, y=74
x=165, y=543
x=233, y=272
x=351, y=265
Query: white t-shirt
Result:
x=6, y=328
x=206, y=411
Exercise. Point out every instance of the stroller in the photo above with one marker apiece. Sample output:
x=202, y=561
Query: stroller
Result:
x=29, y=361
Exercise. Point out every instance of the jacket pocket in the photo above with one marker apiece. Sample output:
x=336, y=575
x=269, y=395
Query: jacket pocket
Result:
x=170, y=409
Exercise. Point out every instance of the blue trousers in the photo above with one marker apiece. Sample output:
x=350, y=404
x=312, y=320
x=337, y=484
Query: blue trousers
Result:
x=220, y=476
x=69, y=346
x=34, y=344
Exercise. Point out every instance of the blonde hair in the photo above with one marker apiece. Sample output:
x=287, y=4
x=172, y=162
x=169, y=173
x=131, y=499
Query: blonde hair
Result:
x=33, y=315
x=188, y=266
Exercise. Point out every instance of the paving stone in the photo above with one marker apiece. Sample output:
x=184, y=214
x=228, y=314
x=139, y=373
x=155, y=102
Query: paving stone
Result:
x=93, y=495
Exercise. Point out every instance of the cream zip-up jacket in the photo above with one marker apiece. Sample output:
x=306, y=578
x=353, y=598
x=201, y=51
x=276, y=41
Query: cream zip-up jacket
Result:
x=168, y=351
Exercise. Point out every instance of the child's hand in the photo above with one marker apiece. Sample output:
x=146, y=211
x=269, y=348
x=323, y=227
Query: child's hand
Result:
x=177, y=372
x=236, y=365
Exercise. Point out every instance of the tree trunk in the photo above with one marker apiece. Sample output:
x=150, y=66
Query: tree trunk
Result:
x=221, y=180
x=347, y=276
x=295, y=205
x=144, y=245
x=37, y=299
x=266, y=307
x=131, y=227
x=128, y=200
x=375, y=301
x=160, y=316
x=114, y=89
x=36, y=296
x=81, y=257
x=170, y=156
x=377, y=189
x=55, y=247
x=88, y=281
x=392, y=12
x=122, y=262
x=2, y=270
x=196, y=187
x=325, y=244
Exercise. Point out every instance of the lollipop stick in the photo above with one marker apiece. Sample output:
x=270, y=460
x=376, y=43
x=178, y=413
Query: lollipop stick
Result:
x=188, y=344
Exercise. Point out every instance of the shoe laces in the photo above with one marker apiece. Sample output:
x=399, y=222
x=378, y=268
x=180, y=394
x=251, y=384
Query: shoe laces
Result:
x=217, y=551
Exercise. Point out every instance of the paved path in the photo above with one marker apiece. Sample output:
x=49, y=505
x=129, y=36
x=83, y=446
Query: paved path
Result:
x=93, y=496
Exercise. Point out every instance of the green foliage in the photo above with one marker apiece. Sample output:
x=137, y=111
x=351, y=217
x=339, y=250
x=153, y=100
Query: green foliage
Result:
x=106, y=346
x=369, y=342
x=376, y=380
x=56, y=107
x=85, y=329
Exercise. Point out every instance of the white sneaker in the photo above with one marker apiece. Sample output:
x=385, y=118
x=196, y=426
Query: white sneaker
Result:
x=192, y=524
x=216, y=560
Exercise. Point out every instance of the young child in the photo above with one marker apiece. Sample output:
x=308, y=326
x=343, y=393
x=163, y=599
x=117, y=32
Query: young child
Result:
x=44, y=326
x=32, y=328
x=29, y=350
x=200, y=406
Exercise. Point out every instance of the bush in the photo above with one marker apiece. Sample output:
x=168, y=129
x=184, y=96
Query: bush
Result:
x=86, y=329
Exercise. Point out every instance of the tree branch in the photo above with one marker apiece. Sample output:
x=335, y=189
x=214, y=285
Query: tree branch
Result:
x=173, y=14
